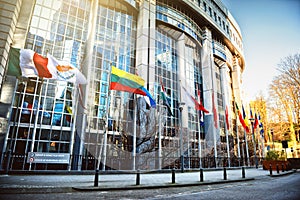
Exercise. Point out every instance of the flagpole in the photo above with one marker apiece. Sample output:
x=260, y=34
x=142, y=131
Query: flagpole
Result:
x=76, y=96
x=258, y=142
x=107, y=118
x=263, y=145
x=237, y=135
x=159, y=135
x=181, y=104
x=227, y=142
x=247, y=149
x=216, y=130
x=199, y=128
x=134, y=133
x=36, y=115
x=254, y=143
x=199, y=141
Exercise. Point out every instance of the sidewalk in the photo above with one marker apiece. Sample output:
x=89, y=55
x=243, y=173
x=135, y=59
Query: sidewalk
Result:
x=68, y=183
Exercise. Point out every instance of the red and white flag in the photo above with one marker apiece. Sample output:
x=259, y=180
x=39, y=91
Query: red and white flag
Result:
x=27, y=63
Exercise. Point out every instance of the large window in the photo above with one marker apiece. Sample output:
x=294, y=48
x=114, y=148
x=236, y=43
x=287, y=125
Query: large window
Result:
x=43, y=111
x=114, y=45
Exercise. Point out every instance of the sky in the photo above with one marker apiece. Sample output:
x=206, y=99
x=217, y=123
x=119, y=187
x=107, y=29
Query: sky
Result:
x=270, y=32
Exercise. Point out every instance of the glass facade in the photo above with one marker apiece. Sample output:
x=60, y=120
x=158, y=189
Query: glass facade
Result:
x=114, y=130
x=42, y=118
x=114, y=46
x=166, y=72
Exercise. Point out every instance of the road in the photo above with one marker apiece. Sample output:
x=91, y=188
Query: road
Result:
x=266, y=188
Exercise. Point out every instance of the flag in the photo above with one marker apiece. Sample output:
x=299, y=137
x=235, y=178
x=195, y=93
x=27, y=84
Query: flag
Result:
x=251, y=115
x=203, y=109
x=64, y=71
x=123, y=81
x=226, y=118
x=242, y=119
x=245, y=117
x=199, y=105
x=126, y=82
x=259, y=121
x=261, y=126
x=187, y=98
x=215, y=111
x=192, y=102
x=255, y=122
x=166, y=99
x=149, y=99
x=27, y=63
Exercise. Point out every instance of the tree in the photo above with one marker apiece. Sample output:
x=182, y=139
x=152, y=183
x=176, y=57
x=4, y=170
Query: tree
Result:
x=284, y=104
x=290, y=70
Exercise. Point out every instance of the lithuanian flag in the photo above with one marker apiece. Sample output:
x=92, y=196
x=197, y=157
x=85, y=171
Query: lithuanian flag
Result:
x=123, y=81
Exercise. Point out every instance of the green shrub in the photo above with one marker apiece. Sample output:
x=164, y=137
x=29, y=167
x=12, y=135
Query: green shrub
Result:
x=282, y=156
x=272, y=155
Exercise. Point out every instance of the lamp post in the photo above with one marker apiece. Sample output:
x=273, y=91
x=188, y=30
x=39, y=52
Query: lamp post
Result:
x=254, y=143
x=181, y=104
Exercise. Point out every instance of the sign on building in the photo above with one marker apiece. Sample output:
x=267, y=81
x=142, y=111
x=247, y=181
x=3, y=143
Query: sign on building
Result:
x=50, y=158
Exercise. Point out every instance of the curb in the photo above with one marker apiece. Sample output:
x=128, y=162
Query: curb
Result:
x=36, y=190
x=167, y=185
x=92, y=172
x=40, y=190
x=283, y=173
x=104, y=186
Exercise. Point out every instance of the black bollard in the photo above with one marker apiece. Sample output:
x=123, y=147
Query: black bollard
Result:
x=201, y=175
x=243, y=172
x=138, y=177
x=225, y=174
x=282, y=165
x=277, y=168
x=271, y=169
x=173, y=175
x=96, y=179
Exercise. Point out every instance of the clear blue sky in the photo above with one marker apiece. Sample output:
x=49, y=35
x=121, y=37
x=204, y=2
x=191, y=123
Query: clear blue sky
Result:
x=271, y=32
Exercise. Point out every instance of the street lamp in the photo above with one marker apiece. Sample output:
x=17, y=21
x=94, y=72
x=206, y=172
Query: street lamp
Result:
x=181, y=104
x=254, y=143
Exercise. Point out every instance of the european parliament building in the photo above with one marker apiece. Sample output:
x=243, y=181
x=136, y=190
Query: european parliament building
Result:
x=193, y=48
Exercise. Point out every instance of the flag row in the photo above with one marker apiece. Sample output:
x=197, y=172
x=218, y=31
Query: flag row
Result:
x=27, y=63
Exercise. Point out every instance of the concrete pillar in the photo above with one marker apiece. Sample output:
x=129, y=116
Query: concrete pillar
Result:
x=182, y=78
x=226, y=103
x=209, y=87
x=87, y=62
x=145, y=52
x=236, y=80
